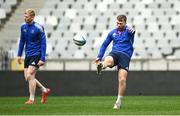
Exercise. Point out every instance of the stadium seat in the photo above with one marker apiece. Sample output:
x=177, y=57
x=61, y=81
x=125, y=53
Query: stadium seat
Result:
x=163, y=20
x=138, y=20
x=70, y=13
x=58, y=12
x=166, y=5
x=88, y=27
x=64, y=6
x=152, y=27
x=40, y=19
x=147, y=1
x=120, y=1
x=150, y=42
x=114, y=6
x=90, y=20
x=101, y=26
x=2, y=14
x=45, y=11
x=89, y=7
x=166, y=50
x=102, y=7
x=176, y=55
x=175, y=43
x=175, y=20
x=51, y=20
x=154, y=52
x=7, y=8
x=141, y=52
x=79, y=53
x=75, y=27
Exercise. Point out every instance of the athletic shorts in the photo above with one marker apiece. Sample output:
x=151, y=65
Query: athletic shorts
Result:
x=31, y=60
x=121, y=60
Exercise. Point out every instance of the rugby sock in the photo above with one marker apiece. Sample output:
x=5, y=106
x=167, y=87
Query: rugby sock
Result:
x=119, y=98
x=43, y=89
x=32, y=89
x=31, y=97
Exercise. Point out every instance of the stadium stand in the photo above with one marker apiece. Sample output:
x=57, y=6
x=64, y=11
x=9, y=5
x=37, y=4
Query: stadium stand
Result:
x=156, y=23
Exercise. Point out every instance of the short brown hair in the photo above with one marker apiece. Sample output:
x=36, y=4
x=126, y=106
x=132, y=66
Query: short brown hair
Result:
x=30, y=11
x=122, y=17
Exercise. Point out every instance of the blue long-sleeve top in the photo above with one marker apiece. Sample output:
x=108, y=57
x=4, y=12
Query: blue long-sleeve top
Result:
x=122, y=42
x=34, y=39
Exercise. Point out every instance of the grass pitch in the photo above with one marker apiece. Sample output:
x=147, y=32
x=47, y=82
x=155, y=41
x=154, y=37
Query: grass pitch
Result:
x=96, y=105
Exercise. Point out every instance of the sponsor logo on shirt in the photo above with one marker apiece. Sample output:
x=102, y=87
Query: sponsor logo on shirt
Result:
x=33, y=63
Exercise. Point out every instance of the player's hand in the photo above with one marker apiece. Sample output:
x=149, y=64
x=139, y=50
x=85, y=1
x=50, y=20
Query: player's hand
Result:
x=19, y=60
x=131, y=30
x=97, y=61
x=40, y=63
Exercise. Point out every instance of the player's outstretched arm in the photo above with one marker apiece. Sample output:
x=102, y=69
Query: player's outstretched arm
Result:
x=131, y=30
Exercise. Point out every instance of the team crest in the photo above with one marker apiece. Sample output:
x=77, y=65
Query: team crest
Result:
x=114, y=35
x=24, y=30
x=32, y=31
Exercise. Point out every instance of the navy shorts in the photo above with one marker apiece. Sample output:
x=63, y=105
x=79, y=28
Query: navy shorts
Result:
x=121, y=60
x=31, y=60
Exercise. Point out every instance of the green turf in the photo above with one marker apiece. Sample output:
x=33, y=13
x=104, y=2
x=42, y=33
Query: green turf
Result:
x=145, y=105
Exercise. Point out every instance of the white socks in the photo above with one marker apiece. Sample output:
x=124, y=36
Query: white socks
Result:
x=119, y=98
x=43, y=89
x=31, y=97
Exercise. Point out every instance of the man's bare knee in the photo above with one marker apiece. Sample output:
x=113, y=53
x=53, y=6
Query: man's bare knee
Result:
x=30, y=74
x=122, y=81
x=108, y=61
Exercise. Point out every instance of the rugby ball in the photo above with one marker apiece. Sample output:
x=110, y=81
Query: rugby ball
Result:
x=79, y=39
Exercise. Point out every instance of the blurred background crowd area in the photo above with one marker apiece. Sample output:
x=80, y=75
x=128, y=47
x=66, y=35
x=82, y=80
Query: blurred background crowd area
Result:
x=157, y=25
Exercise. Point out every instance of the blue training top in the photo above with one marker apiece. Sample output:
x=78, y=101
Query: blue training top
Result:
x=122, y=42
x=33, y=36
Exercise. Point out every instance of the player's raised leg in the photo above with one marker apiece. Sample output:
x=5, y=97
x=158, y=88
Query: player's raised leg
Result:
x=108, y=62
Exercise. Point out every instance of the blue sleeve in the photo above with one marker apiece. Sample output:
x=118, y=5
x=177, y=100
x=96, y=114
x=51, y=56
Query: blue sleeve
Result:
x=102, y=50
x=132, y=37
x=43, y=46
x=21, y=44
